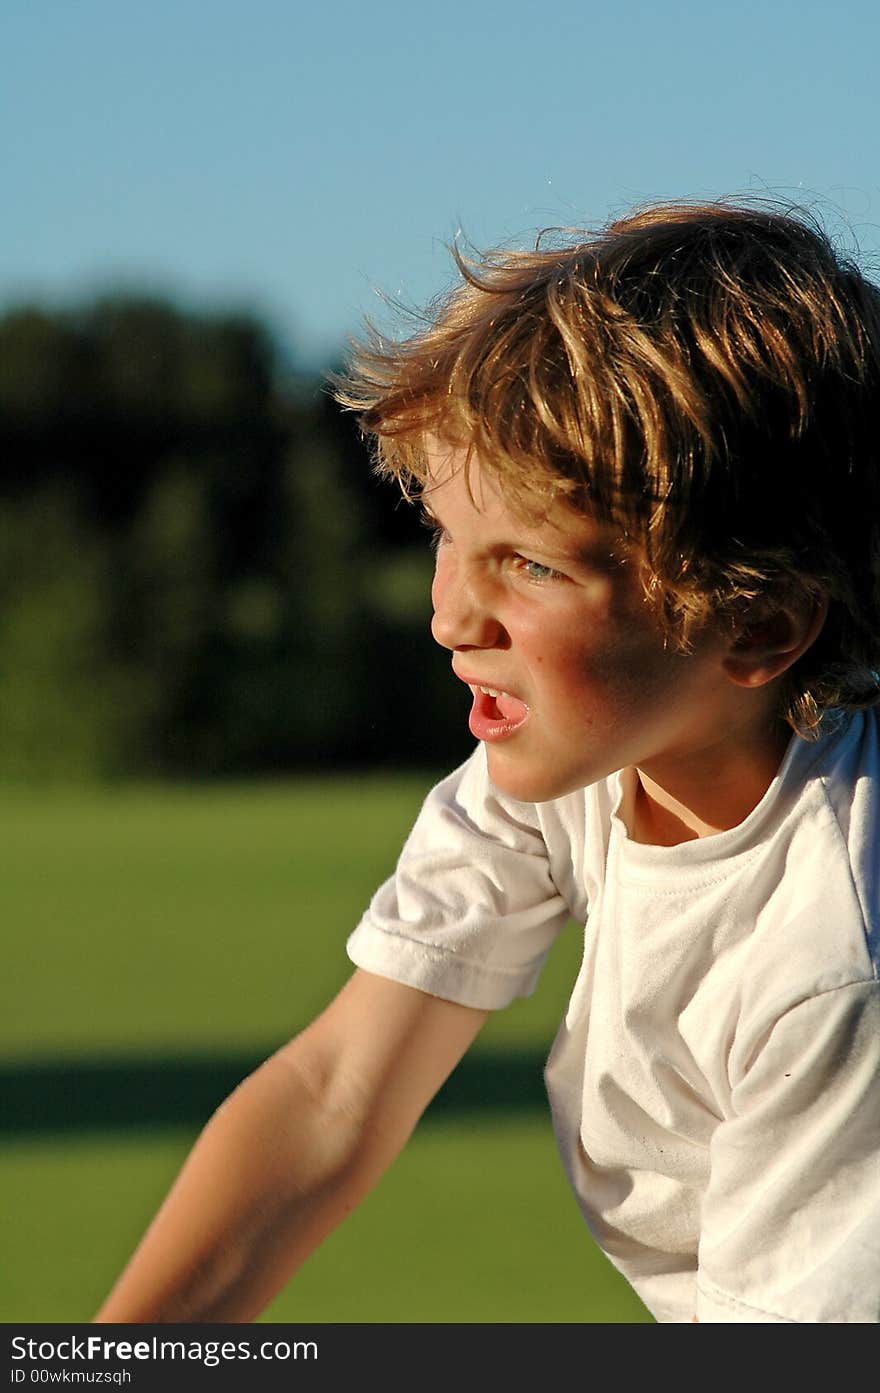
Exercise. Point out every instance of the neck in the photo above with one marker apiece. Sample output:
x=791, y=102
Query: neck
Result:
x=711, y=795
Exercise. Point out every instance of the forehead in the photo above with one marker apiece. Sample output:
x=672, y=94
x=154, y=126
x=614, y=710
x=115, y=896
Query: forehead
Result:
x=459, y=488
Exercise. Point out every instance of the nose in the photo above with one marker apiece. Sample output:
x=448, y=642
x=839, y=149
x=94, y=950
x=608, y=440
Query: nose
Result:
x=464, y=616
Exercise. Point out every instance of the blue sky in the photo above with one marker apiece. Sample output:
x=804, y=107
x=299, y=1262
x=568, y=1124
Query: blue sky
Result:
x=298, y=158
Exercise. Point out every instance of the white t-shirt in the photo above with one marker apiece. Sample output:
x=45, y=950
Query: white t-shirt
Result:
x=715, y=1084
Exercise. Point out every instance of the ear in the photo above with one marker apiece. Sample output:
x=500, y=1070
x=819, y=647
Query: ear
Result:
x=766, y=647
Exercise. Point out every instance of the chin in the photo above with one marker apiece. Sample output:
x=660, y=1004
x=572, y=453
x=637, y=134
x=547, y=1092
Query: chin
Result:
x=532, y=785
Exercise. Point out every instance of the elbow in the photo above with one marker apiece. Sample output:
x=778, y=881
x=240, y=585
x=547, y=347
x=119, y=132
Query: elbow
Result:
x=307, y=1129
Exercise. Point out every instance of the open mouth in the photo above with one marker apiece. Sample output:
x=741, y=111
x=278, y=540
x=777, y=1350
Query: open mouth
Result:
x=501, y=706
x=495, y=714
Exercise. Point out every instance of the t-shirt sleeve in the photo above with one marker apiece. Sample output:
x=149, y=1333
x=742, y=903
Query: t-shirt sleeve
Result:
x=790, y=1229
x=471, y=910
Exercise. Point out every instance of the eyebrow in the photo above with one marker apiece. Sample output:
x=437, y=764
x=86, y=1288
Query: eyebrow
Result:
x=596, y=554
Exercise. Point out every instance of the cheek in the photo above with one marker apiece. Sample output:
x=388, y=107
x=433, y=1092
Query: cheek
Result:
x=617, y=678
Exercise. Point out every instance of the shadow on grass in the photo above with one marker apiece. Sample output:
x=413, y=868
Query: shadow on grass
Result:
x=183, y=1090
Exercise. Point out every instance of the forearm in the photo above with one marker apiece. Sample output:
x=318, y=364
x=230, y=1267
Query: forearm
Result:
x=274, y=1171
x=291, y=1152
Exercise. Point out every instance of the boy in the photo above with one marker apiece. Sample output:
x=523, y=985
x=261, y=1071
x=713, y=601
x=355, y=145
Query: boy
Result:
x=652, y=461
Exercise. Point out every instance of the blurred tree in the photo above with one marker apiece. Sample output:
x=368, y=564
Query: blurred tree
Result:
x=200, y=575
x=67, y=709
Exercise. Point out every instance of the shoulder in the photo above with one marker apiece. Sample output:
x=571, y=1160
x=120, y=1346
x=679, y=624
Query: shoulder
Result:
x=477, y=896
x=466, y=809
x=850, y=780
x=811, y=892
x=831, y=849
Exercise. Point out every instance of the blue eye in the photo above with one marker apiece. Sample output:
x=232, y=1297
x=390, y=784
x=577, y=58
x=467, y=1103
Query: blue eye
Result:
x=431, y=523
x=536, y=571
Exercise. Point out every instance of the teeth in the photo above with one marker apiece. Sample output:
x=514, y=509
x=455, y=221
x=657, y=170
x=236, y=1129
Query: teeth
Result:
x=490, y=691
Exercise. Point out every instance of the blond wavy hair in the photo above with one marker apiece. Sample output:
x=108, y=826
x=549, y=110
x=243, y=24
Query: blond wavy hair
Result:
x=704, y=376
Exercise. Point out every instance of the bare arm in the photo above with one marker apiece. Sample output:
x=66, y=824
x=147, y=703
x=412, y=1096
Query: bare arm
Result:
x=291, y=1152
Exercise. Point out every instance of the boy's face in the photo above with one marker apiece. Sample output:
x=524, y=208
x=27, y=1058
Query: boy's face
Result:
x=550, y=616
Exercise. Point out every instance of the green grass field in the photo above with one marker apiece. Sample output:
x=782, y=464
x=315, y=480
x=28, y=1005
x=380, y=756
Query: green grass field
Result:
x=153, y=921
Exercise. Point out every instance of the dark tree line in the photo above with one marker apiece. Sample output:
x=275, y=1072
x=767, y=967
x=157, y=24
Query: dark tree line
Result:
x=198, y=573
